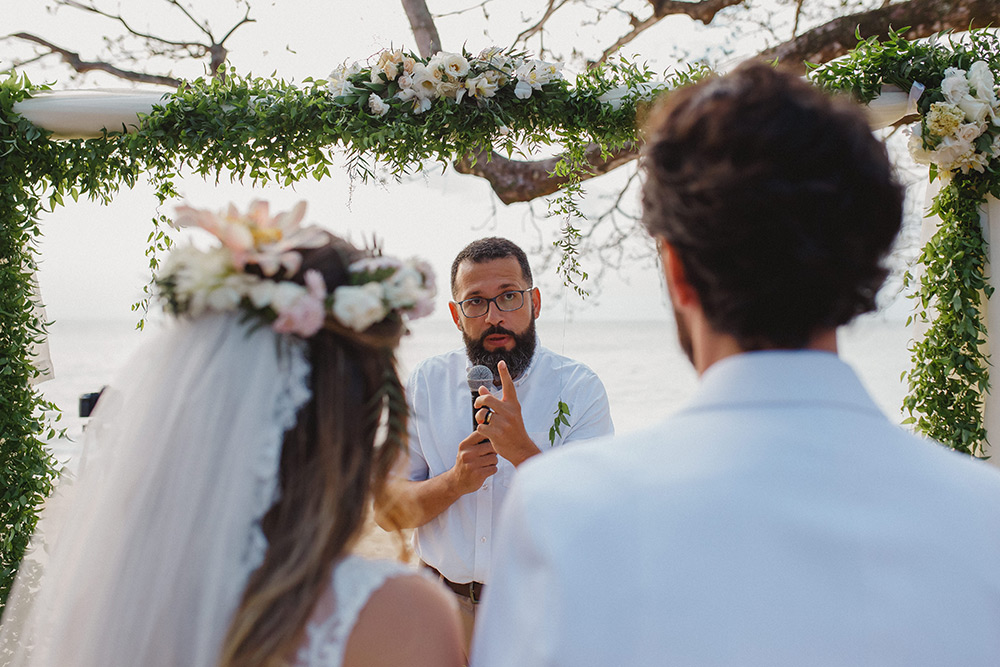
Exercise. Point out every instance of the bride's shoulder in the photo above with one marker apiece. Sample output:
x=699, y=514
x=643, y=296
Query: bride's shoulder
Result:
x=410, y=620
x=379, y=612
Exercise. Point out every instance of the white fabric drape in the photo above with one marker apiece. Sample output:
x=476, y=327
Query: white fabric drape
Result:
x=144, y=557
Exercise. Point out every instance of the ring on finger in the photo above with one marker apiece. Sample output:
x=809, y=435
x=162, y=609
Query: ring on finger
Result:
x=486, y=419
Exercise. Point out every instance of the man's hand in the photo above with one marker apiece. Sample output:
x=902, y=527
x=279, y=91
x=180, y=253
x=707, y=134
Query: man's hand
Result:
x=476, y=461
x=502, y=422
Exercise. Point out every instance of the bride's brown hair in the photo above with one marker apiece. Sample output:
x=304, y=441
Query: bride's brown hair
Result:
x=330, y=466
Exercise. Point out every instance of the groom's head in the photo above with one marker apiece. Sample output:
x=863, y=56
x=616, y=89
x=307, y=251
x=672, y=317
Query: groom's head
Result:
x=773, y=205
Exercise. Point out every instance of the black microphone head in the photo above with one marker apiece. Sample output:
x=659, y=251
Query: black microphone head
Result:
x=479, y=376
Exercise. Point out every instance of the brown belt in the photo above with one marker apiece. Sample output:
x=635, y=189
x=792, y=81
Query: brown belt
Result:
x=472, y=590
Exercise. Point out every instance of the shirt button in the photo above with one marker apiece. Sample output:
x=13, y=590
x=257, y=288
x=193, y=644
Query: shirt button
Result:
x=486, y=487
x=483, y=540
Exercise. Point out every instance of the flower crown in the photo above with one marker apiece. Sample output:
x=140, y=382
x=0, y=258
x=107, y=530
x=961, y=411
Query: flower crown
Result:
x=195, y=281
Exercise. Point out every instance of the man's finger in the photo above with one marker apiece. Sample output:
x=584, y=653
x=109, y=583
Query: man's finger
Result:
x=506, y=382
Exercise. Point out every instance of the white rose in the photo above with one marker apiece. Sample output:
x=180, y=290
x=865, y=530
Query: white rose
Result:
x=454, y=65
x=359, y=306
x=404, y=81
x=285, y=294
x=404, y=288
x=522, y=90
x=969, y=132
x=426, y=80
x=981, y=79
x=975, y=110
x=955, y=86
x=377, y=105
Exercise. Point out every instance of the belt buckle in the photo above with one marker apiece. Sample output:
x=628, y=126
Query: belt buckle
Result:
x=472, y=592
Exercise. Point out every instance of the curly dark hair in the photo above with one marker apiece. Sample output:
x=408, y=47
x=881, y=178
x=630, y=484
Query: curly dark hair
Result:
x=486, y=249
x=779, y=202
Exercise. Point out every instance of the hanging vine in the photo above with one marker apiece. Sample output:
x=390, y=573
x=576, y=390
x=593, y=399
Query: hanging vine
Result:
x=958, y=137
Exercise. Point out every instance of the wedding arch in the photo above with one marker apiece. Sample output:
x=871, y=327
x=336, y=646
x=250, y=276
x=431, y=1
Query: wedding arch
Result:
x=401, y=111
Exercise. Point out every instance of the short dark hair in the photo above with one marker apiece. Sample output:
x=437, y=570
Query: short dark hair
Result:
x=779, y=201
x=484, y=250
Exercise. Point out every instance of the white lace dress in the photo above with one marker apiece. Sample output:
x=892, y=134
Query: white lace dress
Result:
x=353, y=582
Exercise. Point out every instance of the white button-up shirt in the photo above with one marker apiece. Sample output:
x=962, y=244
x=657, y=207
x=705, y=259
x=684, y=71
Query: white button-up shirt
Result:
x=778, y=519
x=459, y=542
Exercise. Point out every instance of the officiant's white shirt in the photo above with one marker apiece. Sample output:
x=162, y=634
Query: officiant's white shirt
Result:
x=459, y=542
x=778, y=519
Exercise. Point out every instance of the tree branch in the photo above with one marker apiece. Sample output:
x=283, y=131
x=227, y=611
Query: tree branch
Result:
x=422, y=24
x=703, y=11
x=553, y=6
x=925, y=17
x=74, y=60
x=520, y=181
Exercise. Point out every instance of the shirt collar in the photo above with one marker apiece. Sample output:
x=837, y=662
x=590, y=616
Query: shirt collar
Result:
x=781, y=376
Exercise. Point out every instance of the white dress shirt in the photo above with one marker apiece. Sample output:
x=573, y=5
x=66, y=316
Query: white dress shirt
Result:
x=459, y=542
x=778, y=519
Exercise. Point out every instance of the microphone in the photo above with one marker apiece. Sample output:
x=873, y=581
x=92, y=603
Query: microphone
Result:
x=479, y=376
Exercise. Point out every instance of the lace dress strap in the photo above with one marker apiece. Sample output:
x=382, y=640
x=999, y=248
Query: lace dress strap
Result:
x=354, y=581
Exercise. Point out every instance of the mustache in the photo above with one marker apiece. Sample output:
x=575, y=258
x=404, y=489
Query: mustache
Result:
x=494, y=331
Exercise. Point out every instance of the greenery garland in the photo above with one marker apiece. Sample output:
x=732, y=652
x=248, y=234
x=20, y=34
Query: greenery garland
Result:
x=949, y=378
x=253, y=130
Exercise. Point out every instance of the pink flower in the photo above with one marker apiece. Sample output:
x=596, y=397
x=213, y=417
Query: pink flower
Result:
x=306, y=315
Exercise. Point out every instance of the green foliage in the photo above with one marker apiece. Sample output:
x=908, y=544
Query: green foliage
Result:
x=561, y=419
x=26, y=470
x=949, y=378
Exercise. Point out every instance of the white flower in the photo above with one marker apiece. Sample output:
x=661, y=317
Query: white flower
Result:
x=372, y=265
x=377, y=105
x=969, y=132
x=454, y=64
x=284, y=294
x=358, y=307
x=482, y=86
x=404, y=81
x=975, y=110
x=404, y=288
x=426, y=80
x=955, y=86
x=944, y=118
x=982, y=81
x=419, y=104
x=522, y=90
x=537, y=73
x=338, y=84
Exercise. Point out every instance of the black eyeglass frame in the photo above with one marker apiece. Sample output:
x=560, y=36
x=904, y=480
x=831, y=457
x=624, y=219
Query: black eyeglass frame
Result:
x=461, y=304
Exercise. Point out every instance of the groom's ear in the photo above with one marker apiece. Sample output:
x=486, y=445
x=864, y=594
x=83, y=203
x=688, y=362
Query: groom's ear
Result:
x=453, y=307
x=682, y=294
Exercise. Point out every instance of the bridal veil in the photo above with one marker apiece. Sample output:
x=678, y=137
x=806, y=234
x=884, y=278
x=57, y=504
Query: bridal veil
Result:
x=143, y=558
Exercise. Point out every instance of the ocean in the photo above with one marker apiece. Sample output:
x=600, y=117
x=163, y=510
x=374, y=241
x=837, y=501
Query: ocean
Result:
x=645, y=373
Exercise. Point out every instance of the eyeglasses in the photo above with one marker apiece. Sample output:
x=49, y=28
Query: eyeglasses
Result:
x=478, y=306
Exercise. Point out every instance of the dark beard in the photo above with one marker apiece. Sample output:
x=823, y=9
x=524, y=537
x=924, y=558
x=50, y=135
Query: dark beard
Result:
x=517, y=358
x=684, y=335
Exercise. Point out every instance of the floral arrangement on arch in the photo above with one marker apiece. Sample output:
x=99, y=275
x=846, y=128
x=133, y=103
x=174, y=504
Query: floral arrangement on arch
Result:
x=961, y=129
x=409, y=83
x=195, y=281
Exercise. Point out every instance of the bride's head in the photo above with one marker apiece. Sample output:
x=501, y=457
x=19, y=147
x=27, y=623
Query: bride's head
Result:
x=349, y=307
